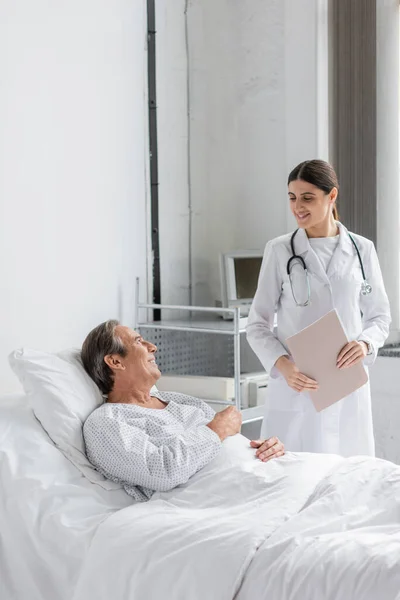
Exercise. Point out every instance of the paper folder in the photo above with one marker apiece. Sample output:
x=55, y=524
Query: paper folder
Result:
x=315, y=350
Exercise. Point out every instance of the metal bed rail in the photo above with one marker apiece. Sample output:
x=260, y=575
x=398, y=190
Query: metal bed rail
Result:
x=169, y=326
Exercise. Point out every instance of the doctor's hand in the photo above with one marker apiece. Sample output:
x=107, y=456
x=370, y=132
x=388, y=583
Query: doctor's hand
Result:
x=294, y=378
x=267, y=449
x=351, y=354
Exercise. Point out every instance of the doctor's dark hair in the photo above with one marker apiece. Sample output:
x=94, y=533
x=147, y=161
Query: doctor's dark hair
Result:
x=101, y=341
x=319, y=173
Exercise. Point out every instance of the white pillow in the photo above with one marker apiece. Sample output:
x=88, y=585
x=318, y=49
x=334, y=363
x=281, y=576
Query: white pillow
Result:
x=62, y=396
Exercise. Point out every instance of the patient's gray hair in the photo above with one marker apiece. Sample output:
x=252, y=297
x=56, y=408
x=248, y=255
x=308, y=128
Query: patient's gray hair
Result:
x=101, y=341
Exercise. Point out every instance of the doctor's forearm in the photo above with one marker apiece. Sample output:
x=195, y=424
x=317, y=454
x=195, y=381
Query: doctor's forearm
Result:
x=264, y=344
x=282, y=362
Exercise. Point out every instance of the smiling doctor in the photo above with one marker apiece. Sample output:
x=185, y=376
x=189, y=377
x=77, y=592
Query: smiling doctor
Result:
x=304, y=275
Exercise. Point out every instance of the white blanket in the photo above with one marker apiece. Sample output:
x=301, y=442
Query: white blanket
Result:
x=301, y=527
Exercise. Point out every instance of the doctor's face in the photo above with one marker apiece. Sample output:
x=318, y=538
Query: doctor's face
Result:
x=310, y=205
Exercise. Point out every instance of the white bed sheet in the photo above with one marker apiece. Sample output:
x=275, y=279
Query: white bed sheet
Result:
x=48, y=511
x=302, y=527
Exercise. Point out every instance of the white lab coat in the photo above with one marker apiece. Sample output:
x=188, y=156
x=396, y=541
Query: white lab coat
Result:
x=346, y=427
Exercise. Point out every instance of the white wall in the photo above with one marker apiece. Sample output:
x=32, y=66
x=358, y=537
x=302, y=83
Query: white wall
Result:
x=257, y=102
x=73, y=181
x=172, y=121
x=307, y=71
x=388, y=164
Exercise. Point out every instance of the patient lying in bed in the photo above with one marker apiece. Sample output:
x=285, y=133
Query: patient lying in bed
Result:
x=147, y=440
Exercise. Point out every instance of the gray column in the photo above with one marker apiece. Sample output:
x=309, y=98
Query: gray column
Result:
x=353, y=31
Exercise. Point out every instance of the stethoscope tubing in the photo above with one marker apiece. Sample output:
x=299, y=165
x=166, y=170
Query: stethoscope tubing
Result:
x=295, y=256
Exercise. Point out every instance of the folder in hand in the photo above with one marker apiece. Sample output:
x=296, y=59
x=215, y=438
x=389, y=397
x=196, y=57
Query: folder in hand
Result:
x=315, y=350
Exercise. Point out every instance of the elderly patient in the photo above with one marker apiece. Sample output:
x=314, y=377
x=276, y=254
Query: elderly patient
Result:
x=148, y=440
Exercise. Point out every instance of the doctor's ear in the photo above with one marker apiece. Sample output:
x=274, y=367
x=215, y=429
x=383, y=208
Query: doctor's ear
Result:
x=114, y=362
x=333, y=194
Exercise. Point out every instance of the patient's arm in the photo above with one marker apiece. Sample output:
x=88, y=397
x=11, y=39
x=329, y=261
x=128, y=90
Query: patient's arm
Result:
x=226, y=423
x=126, y=453
x=190, y=400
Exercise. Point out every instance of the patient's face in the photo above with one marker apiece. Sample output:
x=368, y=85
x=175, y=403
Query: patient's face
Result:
x=139, y=365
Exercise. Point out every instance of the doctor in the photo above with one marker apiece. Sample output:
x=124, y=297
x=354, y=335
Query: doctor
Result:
x=304, y=275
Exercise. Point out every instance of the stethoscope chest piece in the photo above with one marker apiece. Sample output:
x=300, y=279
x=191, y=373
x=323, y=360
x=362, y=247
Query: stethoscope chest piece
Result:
x=366, y=288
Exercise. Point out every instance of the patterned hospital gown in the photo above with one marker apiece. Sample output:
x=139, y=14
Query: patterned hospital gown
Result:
x=147, y=449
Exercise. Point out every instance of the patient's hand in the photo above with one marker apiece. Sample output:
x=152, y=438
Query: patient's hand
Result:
x=226, y=423
x=267, y=449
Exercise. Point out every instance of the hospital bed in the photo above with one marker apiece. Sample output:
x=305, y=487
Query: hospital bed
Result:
x=301, y=527
x=49, y=512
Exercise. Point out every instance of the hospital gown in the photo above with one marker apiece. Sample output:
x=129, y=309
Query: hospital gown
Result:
x=147, y=449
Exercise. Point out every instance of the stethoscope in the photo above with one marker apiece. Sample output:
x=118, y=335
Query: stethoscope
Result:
x=365, y=286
